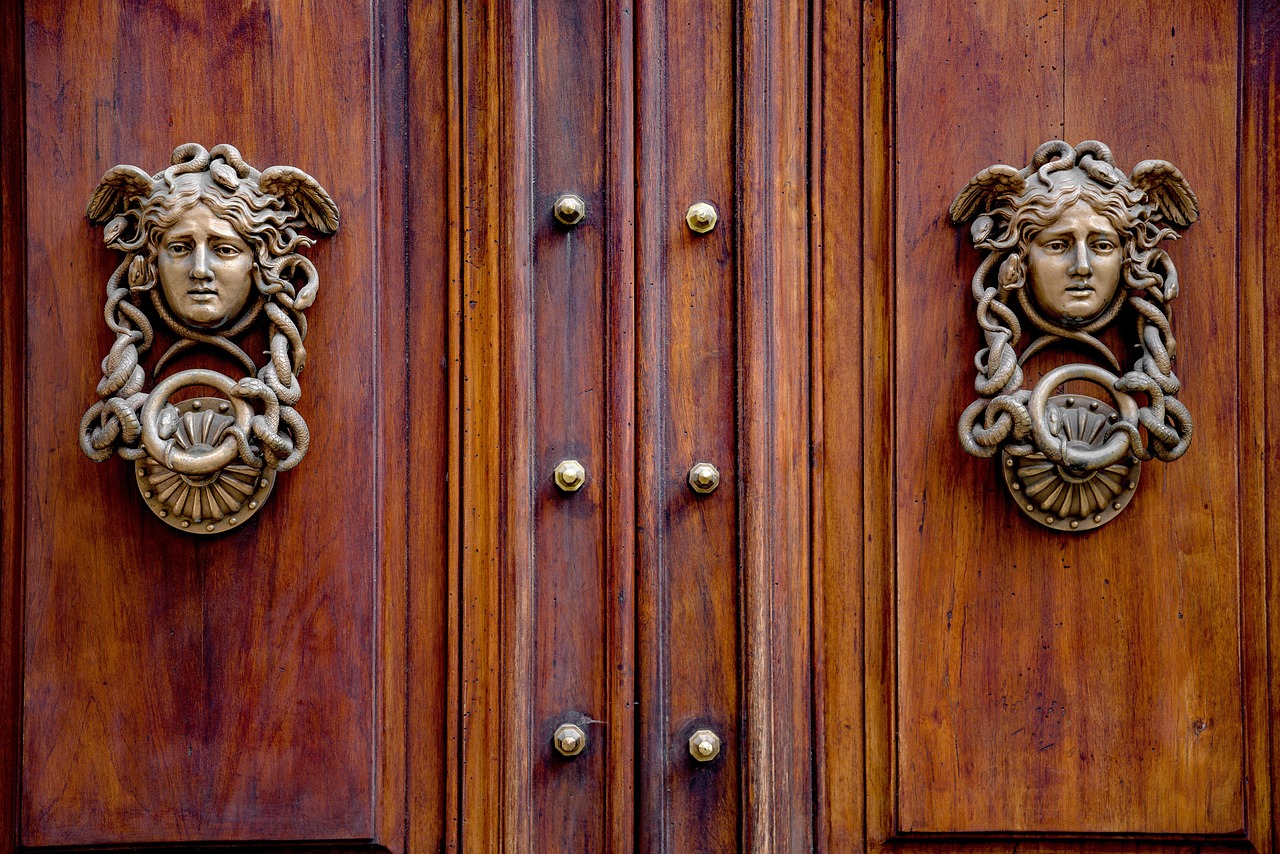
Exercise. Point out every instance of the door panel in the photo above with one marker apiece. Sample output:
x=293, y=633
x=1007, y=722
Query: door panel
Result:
x=174, y=689
x=1019, y=683
x=1089, y=682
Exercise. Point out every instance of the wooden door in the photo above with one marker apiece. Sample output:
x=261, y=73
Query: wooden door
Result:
x=891, y=656
x=985, y=682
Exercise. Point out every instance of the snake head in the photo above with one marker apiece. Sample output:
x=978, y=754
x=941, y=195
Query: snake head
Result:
x=167, y=422
x=250, y=387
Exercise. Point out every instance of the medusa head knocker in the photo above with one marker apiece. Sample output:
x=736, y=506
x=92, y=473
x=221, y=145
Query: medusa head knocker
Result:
x=211, y=246
x=1071, y=242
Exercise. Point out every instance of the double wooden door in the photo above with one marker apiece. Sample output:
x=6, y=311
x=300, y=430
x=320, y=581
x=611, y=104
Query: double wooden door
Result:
x=891, y=656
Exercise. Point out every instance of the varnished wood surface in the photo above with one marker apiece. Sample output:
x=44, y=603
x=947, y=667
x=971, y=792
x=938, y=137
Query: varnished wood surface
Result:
x=12, y=368
x=184, y=689
x=687, y=545
x=461, y=606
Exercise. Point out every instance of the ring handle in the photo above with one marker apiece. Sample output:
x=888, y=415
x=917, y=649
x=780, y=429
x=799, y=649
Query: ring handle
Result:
x=166, y=450
x=1080, y=457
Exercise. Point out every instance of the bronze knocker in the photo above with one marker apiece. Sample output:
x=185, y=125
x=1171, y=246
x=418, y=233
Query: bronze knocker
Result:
x=220, y=239
x=1071, y=241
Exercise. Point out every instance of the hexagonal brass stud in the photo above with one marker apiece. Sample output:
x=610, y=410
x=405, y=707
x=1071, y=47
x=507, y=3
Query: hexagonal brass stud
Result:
x=704, y=745
x=570, y=475
x=701, y=217
x=570, y=209
x=570, y=740
x=704, y=478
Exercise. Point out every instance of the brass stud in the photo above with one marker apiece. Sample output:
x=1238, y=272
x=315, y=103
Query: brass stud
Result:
x=570, y=475
x=209, y=528
x=704, y=745
x=195, y=404
x=570, y=209
x=224, y=406
x=186, y=524
x=702, y=217
x=704, y=478
x=234, y=520
x=253, y=505
x=1075, y=524
x=1097, y=518
x=569, y=740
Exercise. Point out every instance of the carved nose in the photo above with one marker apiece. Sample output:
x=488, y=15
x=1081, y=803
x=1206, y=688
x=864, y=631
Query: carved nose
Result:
x=1081, y=267
x=200, y=263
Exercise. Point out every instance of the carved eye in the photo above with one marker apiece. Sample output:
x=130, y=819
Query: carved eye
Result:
x=1103, y=245
x=1056, y=246
x=227, y=250
x=178, y=248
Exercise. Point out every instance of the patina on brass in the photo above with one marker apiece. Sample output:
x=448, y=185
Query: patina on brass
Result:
x=704, y=745
x=704, y=478
x=569, y=209
x=1072, y=245
x=570, y=475
x=570, y=740
x=701, y=217
x=221, y=240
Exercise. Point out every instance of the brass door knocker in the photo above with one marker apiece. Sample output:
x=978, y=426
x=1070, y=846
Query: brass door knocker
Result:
x=1071, y=241
x=220, y=239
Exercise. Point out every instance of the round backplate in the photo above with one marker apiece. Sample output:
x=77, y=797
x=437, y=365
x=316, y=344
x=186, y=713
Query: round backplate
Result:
x=1058, y=498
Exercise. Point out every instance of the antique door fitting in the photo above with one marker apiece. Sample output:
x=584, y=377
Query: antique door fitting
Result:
x=704, y=745
x=1070, y=243
x=570, y=475
x=569, y=209
x=211, y=247
x=703, y=478
x=569, y=740
x=701, y=217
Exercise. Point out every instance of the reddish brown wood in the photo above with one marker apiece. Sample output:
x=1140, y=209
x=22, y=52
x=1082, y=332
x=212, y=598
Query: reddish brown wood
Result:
x=13, y=345
x=419, y=178
x=1259, y=243
x=484, y=748
x=841, y=180
x=1048, y=682
x=197, y=690
x=687, y=545
x=773, y=369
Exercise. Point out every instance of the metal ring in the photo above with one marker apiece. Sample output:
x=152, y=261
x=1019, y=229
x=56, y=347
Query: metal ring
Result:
x=186, y=462
x=1090, y=459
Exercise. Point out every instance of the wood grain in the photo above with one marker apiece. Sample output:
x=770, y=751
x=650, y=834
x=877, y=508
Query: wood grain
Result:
x=1052, y=684
x=191, y=690
x=13, y=346
x=773, y=401
x=688, y=551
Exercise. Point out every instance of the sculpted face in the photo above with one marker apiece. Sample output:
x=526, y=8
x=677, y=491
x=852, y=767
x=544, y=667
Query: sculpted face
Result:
x=205, y=269
x=1074, y=264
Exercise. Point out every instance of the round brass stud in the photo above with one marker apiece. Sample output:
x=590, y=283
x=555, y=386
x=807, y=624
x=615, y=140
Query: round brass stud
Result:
x=569, y=209
x=704, y=745
x=570, y=475
x=570, y=740
x=704, y=478
x=701, y=217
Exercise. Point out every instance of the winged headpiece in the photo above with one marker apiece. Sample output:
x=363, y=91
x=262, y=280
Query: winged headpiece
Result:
x=122, y=185
x=1158, y=181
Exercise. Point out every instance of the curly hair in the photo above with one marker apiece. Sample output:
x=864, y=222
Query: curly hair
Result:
x=262, y=221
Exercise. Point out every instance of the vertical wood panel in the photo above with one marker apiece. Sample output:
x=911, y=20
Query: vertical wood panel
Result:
x=773, y=247
x=13, y=344
x=420, y=252
x=1259, y=293
x=1049, y=682
x=687, y=544
x=195, y=690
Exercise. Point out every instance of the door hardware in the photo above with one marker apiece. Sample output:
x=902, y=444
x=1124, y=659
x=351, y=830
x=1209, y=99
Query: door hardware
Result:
x=570, y=475
x=701, y=217
x=704, y=745
x=1071, y=242
x=570, y=740
x=704, y=478
x=212, y=244
x=570, y=209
